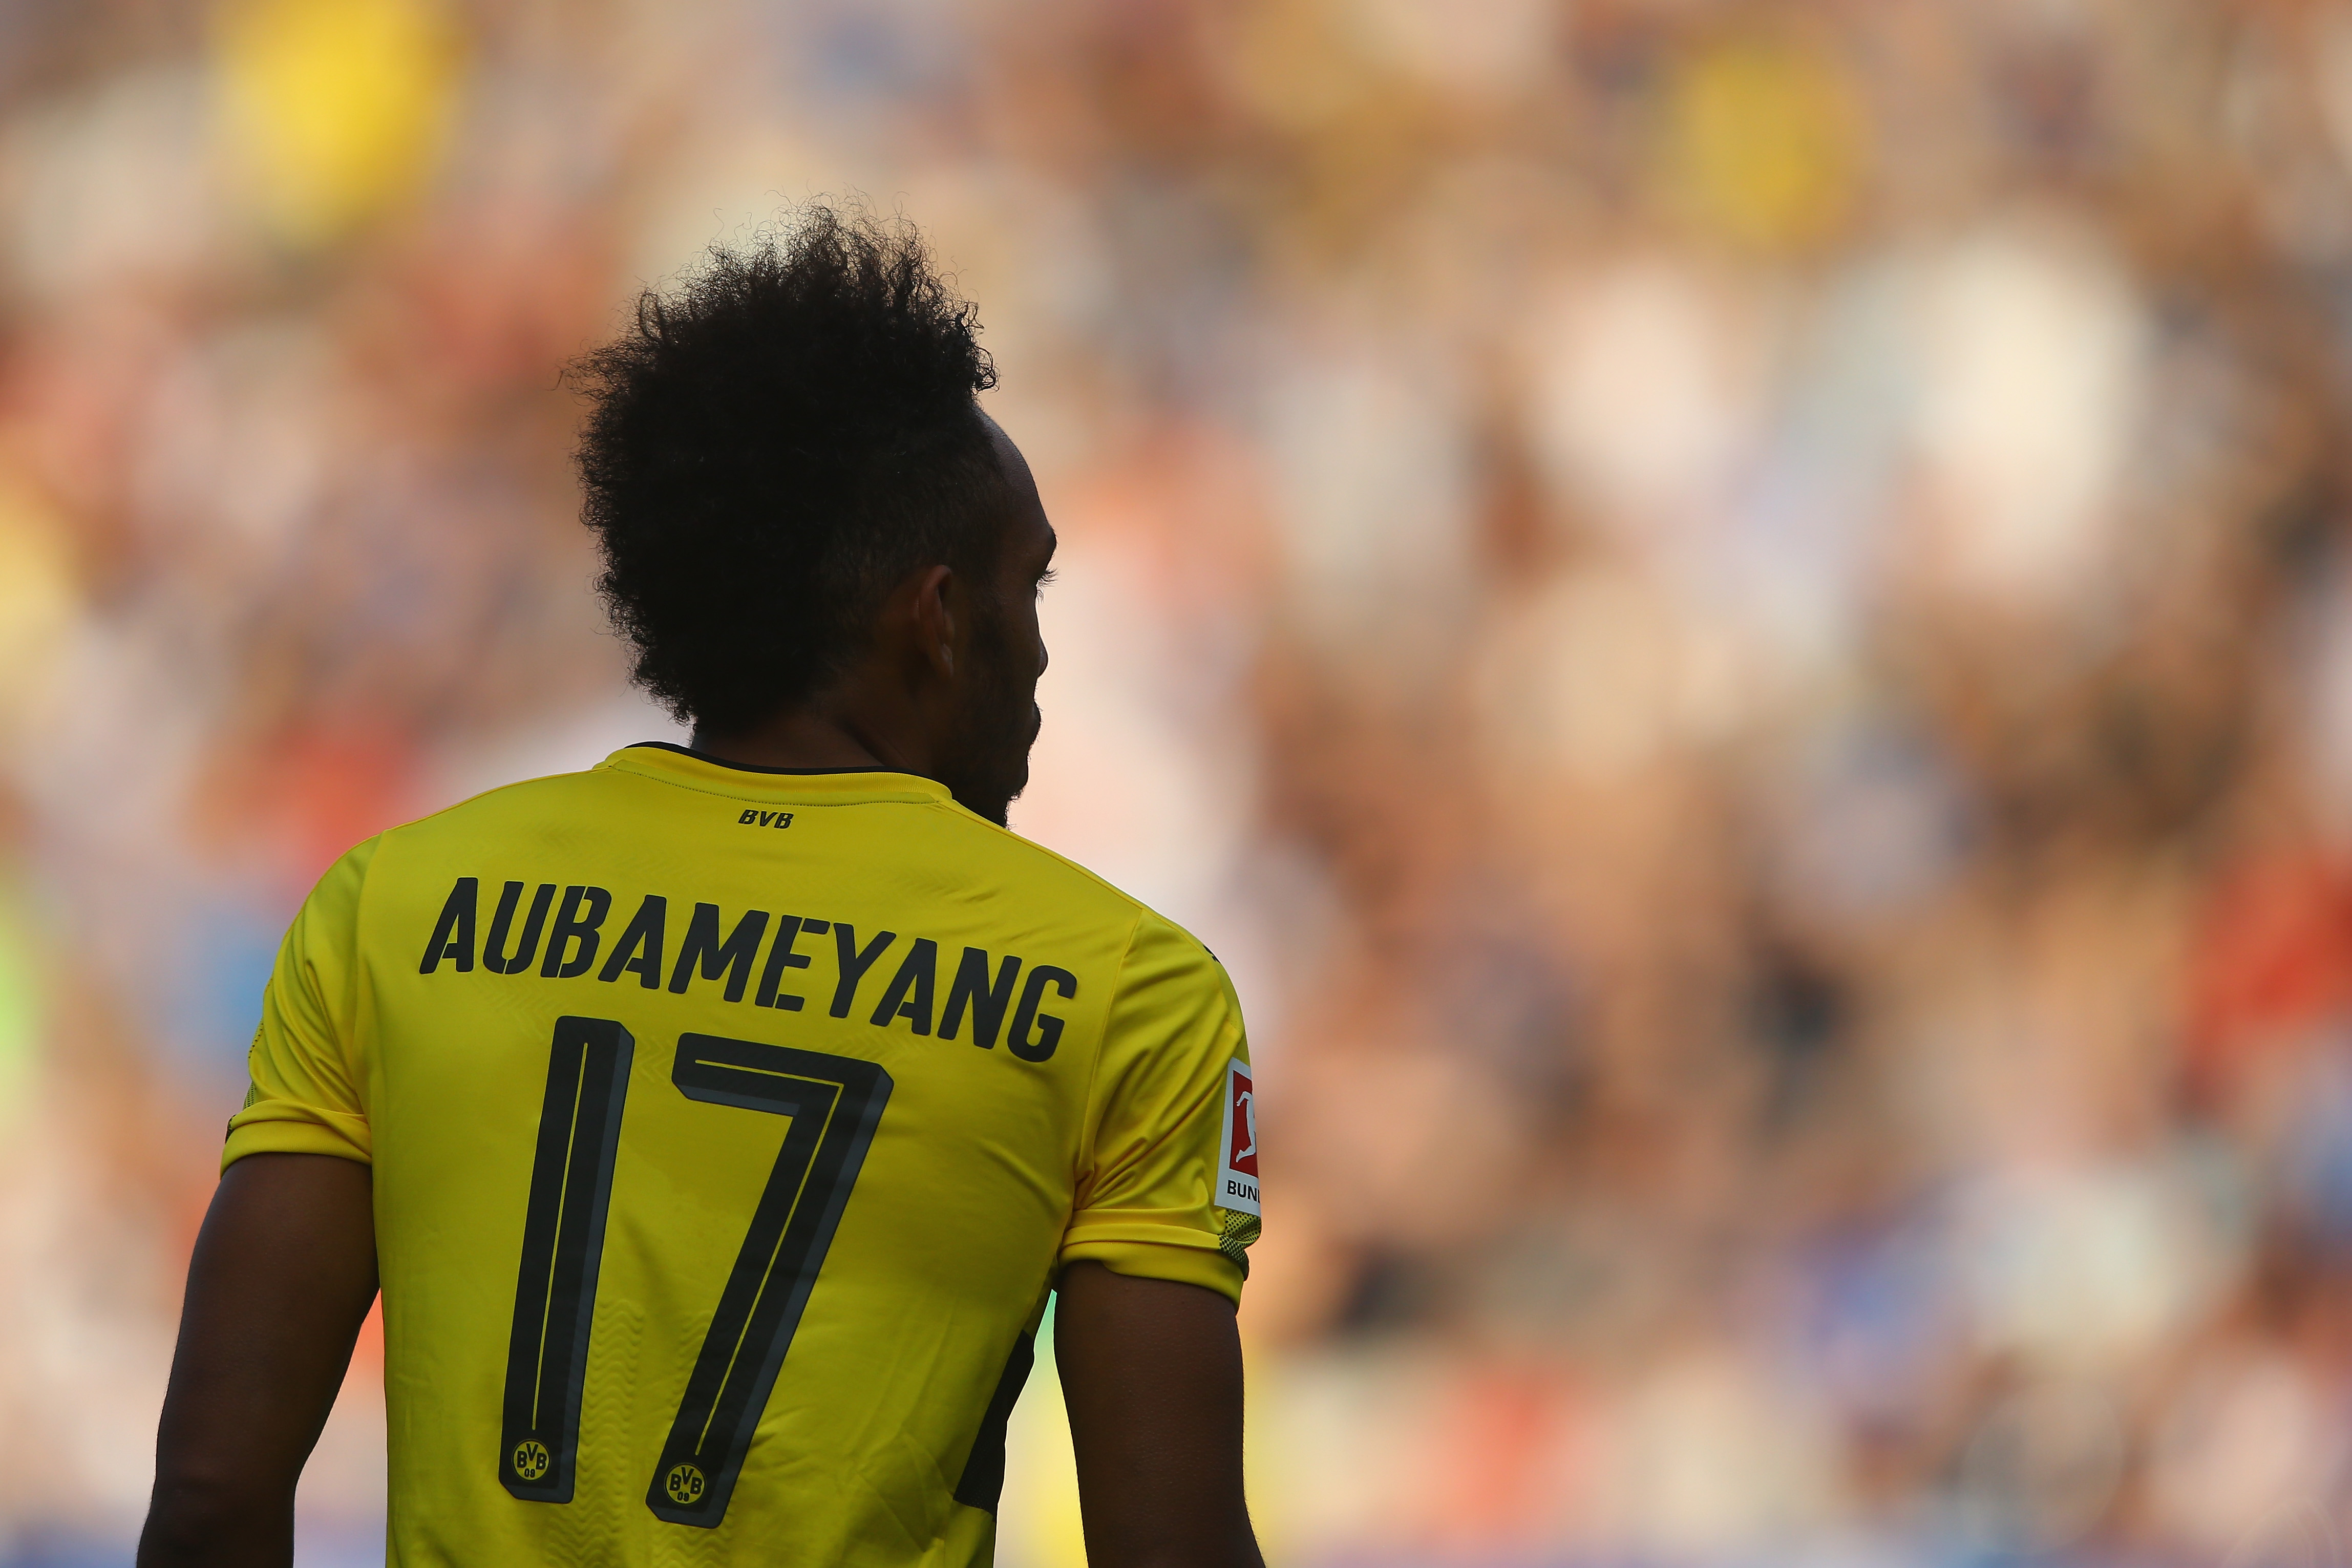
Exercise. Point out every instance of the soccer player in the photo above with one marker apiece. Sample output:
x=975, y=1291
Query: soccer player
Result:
x=717, y=1120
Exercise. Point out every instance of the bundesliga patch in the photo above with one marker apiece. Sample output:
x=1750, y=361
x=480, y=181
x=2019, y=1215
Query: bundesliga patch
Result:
x=1238, y=1165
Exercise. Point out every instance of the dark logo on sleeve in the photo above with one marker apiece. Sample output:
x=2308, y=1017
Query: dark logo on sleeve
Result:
x=765, y=818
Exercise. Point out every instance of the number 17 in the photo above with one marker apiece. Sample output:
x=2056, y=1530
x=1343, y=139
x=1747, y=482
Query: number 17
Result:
x=835, y=1103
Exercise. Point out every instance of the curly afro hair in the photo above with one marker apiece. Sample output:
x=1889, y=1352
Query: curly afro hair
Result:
x=771, y=446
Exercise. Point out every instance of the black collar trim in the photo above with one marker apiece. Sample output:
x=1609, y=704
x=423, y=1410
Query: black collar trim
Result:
x=754, y=767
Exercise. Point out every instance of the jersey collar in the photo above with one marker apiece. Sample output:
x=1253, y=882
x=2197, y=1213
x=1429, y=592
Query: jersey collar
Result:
x=695, y=769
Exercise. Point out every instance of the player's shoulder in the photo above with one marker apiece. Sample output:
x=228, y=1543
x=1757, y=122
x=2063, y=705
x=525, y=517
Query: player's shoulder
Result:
x=426, y=843
x=498, y=808
x=1028, y=864
x=1154, y=945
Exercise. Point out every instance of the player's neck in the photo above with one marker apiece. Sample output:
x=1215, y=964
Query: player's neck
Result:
x=806, y=738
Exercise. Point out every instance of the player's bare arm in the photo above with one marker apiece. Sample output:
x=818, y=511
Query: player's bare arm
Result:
x=283, y=1274
x=1151, y=1371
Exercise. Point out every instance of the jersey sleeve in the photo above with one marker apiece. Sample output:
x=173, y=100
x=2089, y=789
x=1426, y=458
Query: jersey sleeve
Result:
x=1159, y=1123
x=305, y=1098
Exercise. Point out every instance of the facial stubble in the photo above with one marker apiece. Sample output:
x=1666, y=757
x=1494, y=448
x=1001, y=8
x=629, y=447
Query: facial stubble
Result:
x=987, y=766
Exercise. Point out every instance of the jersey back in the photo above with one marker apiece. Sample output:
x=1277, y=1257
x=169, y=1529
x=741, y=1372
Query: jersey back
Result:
x=728, y=1129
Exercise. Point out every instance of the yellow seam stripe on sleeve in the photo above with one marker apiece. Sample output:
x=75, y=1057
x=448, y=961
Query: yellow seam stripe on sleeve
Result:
x=279, y=1126
x=1206, y=1268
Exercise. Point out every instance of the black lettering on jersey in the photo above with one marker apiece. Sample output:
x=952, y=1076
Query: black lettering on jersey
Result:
x=570, y=927
x=573, y=930
x=910, y=995
x=1049, y=1028
x=731, y=958
x=988, y=1002
x=766, y=819
x=527, y=947
x=780, y=957
x=643, y=932
x=854, y=963
x=453, y=933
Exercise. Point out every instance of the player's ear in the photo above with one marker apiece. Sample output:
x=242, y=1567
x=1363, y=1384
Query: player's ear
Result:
x=934, y=615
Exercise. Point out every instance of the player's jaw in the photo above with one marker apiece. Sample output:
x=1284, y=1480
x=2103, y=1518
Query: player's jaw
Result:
x=985, y=765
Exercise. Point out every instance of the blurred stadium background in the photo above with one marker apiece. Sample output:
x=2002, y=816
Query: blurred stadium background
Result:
x=1736, y=617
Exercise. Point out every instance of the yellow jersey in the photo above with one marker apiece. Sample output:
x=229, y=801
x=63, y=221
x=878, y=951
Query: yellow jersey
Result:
x=728, y=1128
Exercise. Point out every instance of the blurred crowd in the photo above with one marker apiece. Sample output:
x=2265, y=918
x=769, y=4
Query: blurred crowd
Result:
x=1736, y=617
